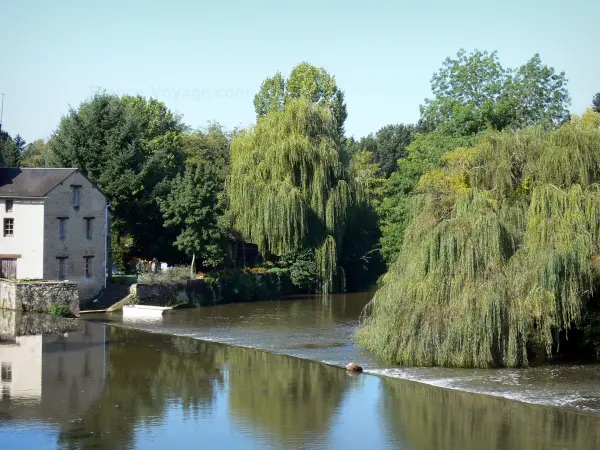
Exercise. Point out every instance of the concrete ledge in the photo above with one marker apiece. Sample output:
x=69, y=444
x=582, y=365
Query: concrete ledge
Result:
x=144, y=310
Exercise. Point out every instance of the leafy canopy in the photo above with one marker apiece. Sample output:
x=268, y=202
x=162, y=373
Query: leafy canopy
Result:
x=288, y=189
x=474, y=92
x=10, y=149
x=305, y=81
x=129, y=146
x=500, y=254
x=35, y=154
x=194, y=206
x=596, y=103
x=424, y=154
x=195, y=201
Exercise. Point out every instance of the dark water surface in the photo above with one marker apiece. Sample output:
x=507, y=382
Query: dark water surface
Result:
x=83, y=384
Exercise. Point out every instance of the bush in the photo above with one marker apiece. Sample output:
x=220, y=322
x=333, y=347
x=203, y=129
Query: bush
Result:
x=302, y=269
x=59, y=311
x=257, y=283
x=174, y=275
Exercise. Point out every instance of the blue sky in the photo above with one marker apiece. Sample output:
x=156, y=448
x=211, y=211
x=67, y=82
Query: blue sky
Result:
x=206, y=59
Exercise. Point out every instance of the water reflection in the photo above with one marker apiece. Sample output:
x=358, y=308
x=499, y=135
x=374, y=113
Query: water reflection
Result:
x=90, y=386
x=49, y=377
x=147, y=374
x=283, y=397
x=434, y=418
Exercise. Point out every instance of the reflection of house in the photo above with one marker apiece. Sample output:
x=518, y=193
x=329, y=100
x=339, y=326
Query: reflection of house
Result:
x=54, y=226
x=21, y=367
x=50, y=375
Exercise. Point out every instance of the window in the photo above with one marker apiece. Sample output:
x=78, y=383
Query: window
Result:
x=6, y=370
x=62, y=267
x=88, y=266
x=88, y=227
x=9, y=205
x=62, y=228
x=9, y=227
x=76, y=190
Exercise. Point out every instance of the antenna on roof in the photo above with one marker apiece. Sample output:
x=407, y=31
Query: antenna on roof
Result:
x=1, y=110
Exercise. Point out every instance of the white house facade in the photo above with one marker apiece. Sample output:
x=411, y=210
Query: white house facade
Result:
x=54, y=226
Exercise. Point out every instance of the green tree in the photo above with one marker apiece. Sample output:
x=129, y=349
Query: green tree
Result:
x=305, y=81
x=129, y=146
x=500, y=256
x=596, y=103
x=9, y=150
x=361, y=253
x=365, y=171
x=424, y=154
x=20, y=142
x=35, y=154
x=271, y=95
x=288, y=189
x=209, y=144
x=474, y=92
x=392, y=144
x=194, y=206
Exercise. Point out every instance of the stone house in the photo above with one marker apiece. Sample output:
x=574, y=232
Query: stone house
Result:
x=54, y=227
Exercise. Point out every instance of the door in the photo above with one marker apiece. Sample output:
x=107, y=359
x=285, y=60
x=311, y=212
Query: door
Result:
x=8, y=268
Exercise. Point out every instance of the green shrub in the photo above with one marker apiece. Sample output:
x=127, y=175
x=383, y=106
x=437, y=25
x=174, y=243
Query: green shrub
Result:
x=59, y=311
x=248, y=284
x=174, y=275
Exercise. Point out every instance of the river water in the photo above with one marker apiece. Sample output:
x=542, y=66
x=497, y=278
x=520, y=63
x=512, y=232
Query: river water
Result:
x=108, y=383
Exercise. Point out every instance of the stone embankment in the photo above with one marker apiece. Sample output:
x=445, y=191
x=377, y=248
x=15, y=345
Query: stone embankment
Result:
x=239, y=286
x=39, y=296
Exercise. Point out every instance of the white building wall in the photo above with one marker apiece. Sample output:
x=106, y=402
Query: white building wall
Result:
x=28, y=238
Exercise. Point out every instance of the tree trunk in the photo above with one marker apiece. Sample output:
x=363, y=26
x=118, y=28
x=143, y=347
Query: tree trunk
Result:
x=193, y=265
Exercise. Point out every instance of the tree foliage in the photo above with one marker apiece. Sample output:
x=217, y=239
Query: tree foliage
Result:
x=271, y=96
x=35, y=154
x=424, y=154
x=194, y=205
x=195, y=201
x=288, y=189
x=596, y=103
x=474, y=92
x=10, y=149
x=129, y=146
x=500, y=256
x=305, y=81
x=392, y=145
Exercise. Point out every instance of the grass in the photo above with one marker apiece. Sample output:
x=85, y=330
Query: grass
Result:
x=124, y=280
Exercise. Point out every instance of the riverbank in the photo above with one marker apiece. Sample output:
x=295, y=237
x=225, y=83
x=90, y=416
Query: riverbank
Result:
x=230, y=286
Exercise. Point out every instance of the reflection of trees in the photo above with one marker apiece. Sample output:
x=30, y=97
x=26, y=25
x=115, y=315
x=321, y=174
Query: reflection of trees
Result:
x=285, y=397
x=146, y=372
x=427, y=417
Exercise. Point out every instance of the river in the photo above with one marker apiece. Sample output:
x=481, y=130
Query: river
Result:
x=108, y=383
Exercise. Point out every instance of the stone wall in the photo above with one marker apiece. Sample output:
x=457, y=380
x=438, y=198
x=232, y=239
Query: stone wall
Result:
x=239, y=287
x=162, y=294
x=33, y=296
x=16, y=323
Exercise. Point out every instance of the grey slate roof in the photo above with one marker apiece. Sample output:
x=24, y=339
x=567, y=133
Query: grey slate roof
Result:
x=26, y=182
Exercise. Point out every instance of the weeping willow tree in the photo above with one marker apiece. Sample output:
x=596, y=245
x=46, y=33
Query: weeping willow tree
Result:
x=288, y=189
x=500, y=253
